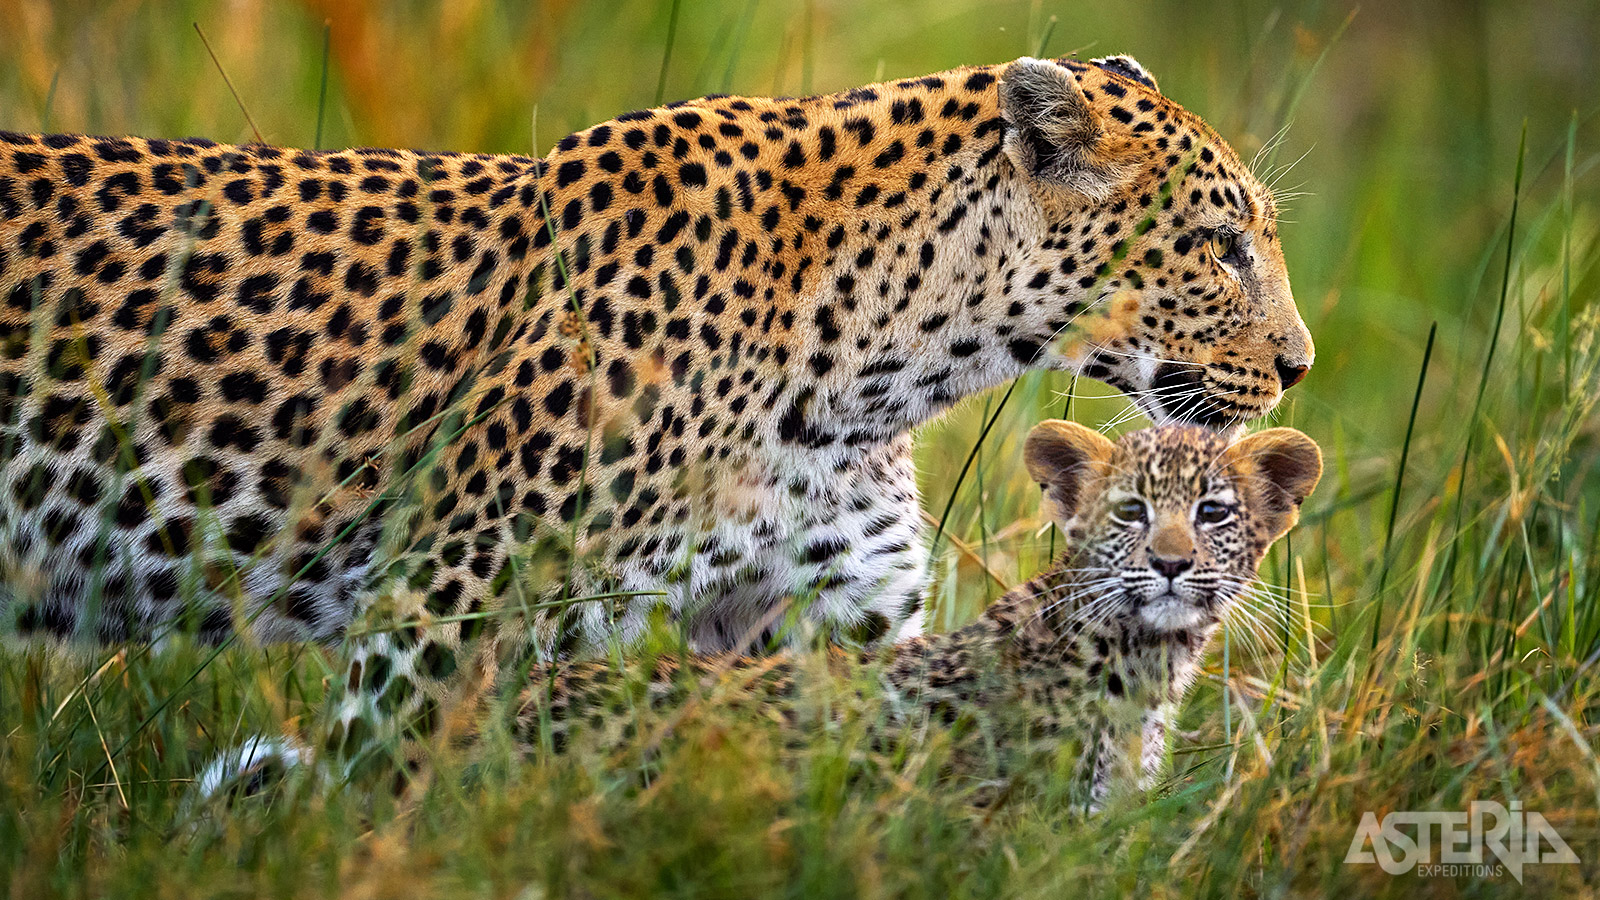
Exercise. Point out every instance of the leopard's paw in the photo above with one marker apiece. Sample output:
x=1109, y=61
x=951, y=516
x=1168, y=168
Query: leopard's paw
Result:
x=252, y=768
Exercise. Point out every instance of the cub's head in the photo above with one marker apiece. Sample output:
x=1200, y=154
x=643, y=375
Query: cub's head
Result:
x=1174, y=520
x=1147, y=230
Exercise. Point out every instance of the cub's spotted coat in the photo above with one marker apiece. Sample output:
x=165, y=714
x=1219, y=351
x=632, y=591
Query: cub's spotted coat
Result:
x=422, y=400
x=1164, y=529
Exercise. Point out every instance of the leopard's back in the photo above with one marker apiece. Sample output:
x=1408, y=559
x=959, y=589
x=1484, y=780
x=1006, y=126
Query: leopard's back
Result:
x=212, y=363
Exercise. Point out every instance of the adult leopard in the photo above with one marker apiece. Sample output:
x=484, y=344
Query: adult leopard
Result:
x=423, y=401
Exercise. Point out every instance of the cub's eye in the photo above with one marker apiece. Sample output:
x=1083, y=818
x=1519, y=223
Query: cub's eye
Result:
x=1224, y=245
x=1210, y=512
x=1129, y=512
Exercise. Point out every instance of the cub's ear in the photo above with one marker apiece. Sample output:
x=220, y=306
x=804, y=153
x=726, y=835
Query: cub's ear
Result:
x=1062, y=456
x=1053, y=133
x=1285, y=464
x=1129, y=68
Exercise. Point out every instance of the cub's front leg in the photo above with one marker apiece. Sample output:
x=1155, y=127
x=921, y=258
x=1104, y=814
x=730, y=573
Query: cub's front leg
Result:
x=1155, y=743
x=1119, y=755
x=1130, y=752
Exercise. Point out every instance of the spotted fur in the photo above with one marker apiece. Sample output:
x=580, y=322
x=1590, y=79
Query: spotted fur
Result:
x=423, y=401
x=1100, y=649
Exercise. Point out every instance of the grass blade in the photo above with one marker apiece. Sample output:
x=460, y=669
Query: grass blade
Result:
x=1399, y=480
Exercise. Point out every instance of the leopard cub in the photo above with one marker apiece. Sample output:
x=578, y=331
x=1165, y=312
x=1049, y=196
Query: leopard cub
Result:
x=1164, y=530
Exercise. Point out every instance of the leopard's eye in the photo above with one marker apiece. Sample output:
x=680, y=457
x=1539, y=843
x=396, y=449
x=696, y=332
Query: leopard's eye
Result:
x=1131, y=511
x=1223, y=244
x=1212, y=512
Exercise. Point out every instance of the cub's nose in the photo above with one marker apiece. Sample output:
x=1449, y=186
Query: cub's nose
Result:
x=1290, y=373
x=1171, y=568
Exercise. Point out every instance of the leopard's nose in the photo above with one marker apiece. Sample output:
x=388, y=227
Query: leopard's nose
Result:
x=1290, y=373
x=1171, y=568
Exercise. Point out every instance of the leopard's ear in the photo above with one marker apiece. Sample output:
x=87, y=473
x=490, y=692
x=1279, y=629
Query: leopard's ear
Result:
x=1061, y=456
x=1129, y=68
x=1284, y=466
x=1052, y=133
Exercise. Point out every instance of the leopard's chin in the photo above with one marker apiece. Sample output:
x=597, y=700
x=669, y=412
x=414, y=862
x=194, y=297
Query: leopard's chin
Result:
x=1214, y=414
x=1180, y=393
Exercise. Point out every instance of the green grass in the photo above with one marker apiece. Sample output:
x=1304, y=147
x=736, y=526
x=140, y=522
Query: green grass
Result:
x=1432, y=632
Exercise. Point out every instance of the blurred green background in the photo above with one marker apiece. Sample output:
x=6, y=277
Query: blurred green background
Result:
x=1427, y=639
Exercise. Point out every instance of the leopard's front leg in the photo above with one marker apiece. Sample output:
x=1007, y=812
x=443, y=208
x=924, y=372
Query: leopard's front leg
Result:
x=869, y=518
x=454, y=611
x=840, y=549
x=417, y=660
x=405, y=671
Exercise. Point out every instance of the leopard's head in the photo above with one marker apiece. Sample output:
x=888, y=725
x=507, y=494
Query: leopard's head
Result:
x=1147, y=233
x=1171, y=522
